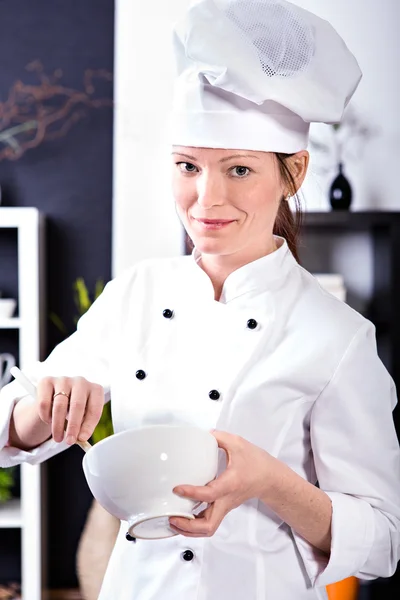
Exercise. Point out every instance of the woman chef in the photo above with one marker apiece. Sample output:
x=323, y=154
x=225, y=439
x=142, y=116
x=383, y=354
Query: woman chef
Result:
x=238, y=338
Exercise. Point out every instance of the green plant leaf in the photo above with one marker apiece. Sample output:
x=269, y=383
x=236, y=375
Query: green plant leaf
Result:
x=55, y=319
x=6, y=483
x=104, y=427
x=98, y=288
x=82, y=298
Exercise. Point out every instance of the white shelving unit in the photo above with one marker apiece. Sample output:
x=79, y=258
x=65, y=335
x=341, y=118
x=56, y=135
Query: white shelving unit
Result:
x=11, y=515
x=26, y=513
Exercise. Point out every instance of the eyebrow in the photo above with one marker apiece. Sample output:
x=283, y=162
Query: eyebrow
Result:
x=222, y=159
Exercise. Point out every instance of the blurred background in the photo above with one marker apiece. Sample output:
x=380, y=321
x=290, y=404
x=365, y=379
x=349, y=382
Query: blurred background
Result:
x=85, y=88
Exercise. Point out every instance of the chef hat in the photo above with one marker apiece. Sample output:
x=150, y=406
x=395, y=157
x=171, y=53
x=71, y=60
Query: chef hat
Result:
x=253, y=74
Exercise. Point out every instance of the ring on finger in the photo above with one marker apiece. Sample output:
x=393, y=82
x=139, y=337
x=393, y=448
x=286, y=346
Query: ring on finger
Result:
x=61, y=393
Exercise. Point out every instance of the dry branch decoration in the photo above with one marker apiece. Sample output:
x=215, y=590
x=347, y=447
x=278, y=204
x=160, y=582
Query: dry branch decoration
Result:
x=45, y=111
x=11, y=591
x=342, y=142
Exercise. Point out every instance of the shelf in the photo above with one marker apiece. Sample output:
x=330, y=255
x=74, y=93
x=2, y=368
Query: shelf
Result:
x=14, y=323
x=10, y=514
x=14, y=216
x=25, y=515
x=350, y=220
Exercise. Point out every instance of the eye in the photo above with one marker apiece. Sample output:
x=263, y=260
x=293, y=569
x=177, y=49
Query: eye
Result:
x=186, y=167
x=240, y=172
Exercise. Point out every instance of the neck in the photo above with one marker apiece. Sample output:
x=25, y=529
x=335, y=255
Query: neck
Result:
x=219, y=267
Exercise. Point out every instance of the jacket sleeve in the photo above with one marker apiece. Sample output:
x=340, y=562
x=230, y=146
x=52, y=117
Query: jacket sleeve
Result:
x=85, y=353
x=357, y=462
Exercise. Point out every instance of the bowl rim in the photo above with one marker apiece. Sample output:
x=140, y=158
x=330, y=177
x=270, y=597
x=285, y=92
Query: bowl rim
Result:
x=126, y=432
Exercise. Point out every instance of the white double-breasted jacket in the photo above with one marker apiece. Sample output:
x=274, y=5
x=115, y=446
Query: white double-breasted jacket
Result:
x=278, y=361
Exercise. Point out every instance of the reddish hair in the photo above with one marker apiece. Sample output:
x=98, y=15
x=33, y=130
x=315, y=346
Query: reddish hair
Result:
x=288, y=224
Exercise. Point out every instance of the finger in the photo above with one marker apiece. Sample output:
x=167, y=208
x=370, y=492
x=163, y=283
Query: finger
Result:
x=204, y=526
x=77, y=406
x=187, y=533
x=45, y=391
x=60, y=408
x=94, y=409
x=226, y=441
x=198, y=493
x=216, y=489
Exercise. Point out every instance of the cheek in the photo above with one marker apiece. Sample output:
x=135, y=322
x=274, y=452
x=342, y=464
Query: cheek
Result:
x=182, y=194
x=263, y=200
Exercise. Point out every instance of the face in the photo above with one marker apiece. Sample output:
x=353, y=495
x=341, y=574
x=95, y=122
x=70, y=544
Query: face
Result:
x=228, y=200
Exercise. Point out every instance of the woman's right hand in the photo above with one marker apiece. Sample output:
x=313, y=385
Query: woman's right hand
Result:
x=74, y=415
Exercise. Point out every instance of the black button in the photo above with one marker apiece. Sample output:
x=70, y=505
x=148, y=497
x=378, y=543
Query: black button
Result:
x=214, y=395
x=252, y=323
x=188, y=555
x=168, y=314
x=140, y=374
x=130, y=538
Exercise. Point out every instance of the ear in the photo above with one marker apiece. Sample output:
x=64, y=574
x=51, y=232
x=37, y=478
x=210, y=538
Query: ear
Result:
x=298, y=164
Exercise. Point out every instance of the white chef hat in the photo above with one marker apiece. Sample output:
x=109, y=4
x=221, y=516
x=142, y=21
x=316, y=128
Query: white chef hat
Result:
x=253, y=74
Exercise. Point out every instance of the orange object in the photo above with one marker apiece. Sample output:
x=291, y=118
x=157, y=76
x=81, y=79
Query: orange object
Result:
x=344, y=590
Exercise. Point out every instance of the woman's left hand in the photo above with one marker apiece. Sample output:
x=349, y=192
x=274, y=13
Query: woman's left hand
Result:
x=248, y=473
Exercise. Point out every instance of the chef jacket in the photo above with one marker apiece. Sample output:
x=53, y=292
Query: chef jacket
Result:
x=278, y=361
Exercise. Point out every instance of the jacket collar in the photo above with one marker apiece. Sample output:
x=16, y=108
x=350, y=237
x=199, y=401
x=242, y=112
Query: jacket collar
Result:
x=260, y=275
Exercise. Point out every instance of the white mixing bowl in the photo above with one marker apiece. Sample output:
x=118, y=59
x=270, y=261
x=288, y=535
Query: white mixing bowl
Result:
x=132, y=474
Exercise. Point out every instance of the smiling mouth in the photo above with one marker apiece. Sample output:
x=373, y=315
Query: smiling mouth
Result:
x=214, y=224
x=215, y=221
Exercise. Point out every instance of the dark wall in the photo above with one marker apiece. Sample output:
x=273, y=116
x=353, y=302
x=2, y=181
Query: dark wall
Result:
x=70, y=181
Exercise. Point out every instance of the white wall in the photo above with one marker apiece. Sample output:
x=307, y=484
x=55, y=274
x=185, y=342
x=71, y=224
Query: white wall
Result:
x=144, y=220
x=370, y=29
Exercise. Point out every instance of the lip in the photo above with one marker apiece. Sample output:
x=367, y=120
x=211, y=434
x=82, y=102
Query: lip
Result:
x=215, y=221
x=214, y=224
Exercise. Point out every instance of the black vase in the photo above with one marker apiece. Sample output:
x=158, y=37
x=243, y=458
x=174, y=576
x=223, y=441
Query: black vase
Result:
x=340, y=194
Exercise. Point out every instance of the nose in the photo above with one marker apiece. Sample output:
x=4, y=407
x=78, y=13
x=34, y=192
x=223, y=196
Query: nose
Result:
x=210, y=191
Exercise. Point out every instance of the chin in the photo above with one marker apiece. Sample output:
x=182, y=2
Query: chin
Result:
x=210, y=246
